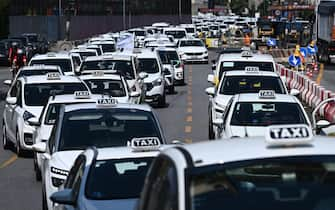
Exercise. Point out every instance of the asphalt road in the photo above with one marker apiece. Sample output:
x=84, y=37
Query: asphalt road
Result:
x=327, y=77
x=184, y=119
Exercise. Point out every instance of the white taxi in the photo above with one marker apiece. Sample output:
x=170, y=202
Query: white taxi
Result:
x=235, y=82
x=241, y=61
x=249, y=114
x=125, y=167
x=79, y=126
x=192, y=50
x=62, y=59
x=113, y=85
x=288, y=169
x=25, y=100
x=48, y=119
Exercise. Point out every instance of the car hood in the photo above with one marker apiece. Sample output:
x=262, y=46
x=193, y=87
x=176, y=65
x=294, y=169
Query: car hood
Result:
x=192, y=49
x=222, y=99
x=152, y=77
x=35, y=110
x=64, y=159
x=247, y=131
x=122, y=204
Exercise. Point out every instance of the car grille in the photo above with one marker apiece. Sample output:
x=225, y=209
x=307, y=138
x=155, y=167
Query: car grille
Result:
x=193, y=54
x=28, y=139
x=149, y=86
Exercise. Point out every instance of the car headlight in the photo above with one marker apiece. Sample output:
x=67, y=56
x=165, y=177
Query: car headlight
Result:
x=27, y=115
x=59, y=171
x=157, y=82
x=219, y=107
x=56, y=182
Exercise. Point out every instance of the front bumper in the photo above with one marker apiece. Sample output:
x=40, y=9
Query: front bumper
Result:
x=195, y=58
x=26, y=137
x=153, y=91
x=179, y=75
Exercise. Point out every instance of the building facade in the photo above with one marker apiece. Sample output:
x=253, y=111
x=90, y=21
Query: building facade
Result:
x=88, y=17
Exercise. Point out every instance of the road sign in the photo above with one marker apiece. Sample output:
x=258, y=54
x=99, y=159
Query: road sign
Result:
x=271, y=42
x=294, y=61
x=303, y=51
x=312, y=50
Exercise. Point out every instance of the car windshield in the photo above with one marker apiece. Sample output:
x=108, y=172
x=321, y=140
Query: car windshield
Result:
x=190, y=30
x=267, y=113
x=113, y=88
x=38, y=94
x=139, y=33
x=108, y=48
x=125, y=178
x=86, y=54
x=176, y=34
x=232, y=85
x=148, y=65
x=64, y=64
x=214, y=27
x=124, y=67
x=105, y=128
x=191, y=43
x=35, y=72
x=290, y=183
x=168, y=56
x=32, y=38
x=242, y=65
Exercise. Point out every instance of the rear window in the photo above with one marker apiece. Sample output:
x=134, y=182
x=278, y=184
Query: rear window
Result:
x=64, y=64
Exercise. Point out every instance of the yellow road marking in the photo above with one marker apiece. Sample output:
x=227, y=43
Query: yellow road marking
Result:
x=188, y=141
x=320, y=75
x=189, y=98
x=189, y=91
x=189, y=118
x=189, y=110
x=189, y=103
x=188, y=129
x=8, y=162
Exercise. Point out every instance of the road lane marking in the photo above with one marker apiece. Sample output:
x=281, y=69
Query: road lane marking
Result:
x=189, y=118
x=320, y=75
x=189, y=110
x=188, y=129
x=190, y=103
x=8, y=162
x=188, y=141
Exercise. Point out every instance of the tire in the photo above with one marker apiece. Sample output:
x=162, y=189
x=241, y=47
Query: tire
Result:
x=18, y=149
x=38, y=174
x=162, y=101
x=5, y=143
x=211, y=134
x=44, y=200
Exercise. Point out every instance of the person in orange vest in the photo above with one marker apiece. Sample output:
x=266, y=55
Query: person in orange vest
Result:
x=246, y=40
x=297, y=53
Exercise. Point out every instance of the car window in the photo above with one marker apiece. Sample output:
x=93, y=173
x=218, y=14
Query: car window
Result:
x=64, y=64
x=148, y=65
x=113, y=88
x=242, y=65
x=191, y=43
x=52, y=114
x=161, y=186
x=168, y=56
x=13, y=90
x=19, y=93
x=35, y=72
x=75, y=176
x=125, y=178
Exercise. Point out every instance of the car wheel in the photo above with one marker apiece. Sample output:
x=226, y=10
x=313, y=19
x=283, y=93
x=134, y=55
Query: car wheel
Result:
x=44, y=200
x=5, y=142
x=19, y=151
x=211, y=134
x=38, y=175
x=162, y=101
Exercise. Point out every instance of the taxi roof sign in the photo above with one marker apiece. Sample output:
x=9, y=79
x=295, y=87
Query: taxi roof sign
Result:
x=288, y=135
x=98, y=73
x=251, y=69
x=107, y=102
x=82, y=94
x=145, y=144
x=53, y=76
x=246, y=53
x=267, y=94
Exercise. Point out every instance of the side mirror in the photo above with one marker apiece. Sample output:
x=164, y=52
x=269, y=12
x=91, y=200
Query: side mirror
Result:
x=166, y=71
x=214, y=67
x=210, y=78
x=65, y=197
x=174, y=62
x=177, y=142
x=213, y=61
x=7, y=82
x=210, y=91
x=294, y=92
x=134, y=94
x=11, y=100
x=40, y=147
x=143, y=75
x=218, y=122
x=322, y=123
x=33, y=121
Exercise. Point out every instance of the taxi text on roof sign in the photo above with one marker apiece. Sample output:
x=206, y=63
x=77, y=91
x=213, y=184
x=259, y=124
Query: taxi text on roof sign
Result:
x=251, y=69
x=288, y=135
x=107, y=102
x=53, y=76
x=145, y=144
x=82, y=94
x=246, y=53
x=267, y=94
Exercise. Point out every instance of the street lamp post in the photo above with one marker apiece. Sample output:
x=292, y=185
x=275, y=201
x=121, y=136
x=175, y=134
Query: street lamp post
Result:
x=179, y=10
x=124, y=14
x=59, y=19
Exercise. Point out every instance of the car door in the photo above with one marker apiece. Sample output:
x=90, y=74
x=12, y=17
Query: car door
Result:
x=9, y=111
x=17, y=116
